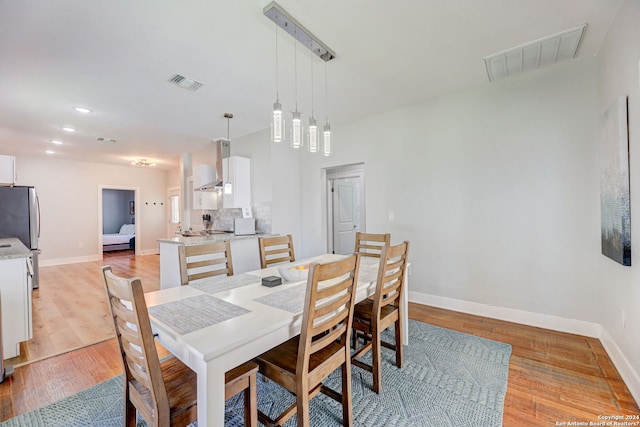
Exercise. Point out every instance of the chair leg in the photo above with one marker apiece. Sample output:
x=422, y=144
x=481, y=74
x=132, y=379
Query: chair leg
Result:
x=251, y=403
x=399, y=347
x=129, y=413
x=303, y=407
x=347, y=409
x=375, y=356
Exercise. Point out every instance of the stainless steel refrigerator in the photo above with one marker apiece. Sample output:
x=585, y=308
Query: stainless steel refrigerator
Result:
x=20, y=217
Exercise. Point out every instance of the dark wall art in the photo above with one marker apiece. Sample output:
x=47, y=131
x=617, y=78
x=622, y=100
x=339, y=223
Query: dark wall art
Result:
x=614, y=184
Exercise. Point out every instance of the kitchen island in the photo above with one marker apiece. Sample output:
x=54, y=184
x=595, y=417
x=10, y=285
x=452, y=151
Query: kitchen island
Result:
x=15, y=287
x=244, y=253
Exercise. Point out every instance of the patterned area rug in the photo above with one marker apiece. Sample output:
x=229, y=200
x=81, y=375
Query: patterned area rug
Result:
x=448, y=379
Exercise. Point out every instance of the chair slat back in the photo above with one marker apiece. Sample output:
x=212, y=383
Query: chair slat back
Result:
x=135, y=337
x=208, y=260
x=391, y=274
x=370, y=244
x=328, y=312
x=275, y=250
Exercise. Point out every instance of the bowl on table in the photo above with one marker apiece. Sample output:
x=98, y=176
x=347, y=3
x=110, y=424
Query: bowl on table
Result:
x=294, y=273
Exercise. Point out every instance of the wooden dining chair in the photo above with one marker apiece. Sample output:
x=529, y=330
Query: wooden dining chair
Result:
x=274, y=250
x=300, y=364
x=201, y=261
x=372, y=316
x=370, y=244
x=163, y=393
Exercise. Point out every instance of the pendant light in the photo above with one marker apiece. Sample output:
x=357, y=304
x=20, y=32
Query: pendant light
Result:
x=312, y=133
x=326, y=132
x=284, y=20
x=296, y=125
x=228, y=188
x=277, y=120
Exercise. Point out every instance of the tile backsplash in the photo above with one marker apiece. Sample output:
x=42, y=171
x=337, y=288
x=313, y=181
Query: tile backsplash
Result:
x=222, y=219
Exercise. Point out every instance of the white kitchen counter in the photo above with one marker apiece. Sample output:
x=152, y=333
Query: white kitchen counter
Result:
x=209, y=238
x=12, y=247
x=244, y=254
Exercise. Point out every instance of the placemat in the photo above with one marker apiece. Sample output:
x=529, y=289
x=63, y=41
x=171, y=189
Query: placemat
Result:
x=291, y=300
x=225, y=283
x=194, y=313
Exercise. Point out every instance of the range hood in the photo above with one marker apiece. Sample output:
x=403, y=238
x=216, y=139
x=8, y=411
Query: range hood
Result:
x=221, y=150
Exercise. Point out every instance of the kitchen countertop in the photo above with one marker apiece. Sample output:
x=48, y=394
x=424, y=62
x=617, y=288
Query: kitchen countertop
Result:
x=209, y=238
x=16, y=249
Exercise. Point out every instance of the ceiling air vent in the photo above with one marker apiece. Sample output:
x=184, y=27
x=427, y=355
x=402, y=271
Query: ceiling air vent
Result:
x=534, y=55
x=185, y=82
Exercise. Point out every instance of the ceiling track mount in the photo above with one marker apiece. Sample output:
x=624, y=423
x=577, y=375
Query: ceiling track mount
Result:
x=284, y=20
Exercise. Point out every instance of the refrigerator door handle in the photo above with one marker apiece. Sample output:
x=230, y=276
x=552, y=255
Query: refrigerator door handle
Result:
x=38, y=225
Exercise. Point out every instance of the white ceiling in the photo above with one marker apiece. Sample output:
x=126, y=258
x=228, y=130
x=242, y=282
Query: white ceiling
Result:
x=116, y=56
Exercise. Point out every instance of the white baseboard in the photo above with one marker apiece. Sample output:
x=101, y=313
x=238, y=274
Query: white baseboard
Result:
x=626, y=371
x=87, y=258
x=546, y=321
x=62, y=261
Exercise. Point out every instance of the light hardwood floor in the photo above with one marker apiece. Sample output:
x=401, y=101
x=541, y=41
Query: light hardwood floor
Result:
x=70, y=308
x=554, y=377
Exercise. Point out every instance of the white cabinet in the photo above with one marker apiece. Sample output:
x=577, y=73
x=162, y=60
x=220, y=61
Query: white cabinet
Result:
x=237, y=171
x=7, y=170
x=169, y=265
x=204, y=174
x=16, y=304
x=246, y=255
x=205, y=200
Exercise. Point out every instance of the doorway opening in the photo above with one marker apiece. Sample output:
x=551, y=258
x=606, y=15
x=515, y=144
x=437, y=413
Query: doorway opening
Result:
x=345, y=198
x=118, y=225
x=174, y=206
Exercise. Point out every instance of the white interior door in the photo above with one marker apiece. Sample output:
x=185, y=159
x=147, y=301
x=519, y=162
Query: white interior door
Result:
x=346, y=214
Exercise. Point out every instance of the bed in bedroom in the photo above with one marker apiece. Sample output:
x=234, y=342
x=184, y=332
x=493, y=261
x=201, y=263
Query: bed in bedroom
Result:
x=125, y=239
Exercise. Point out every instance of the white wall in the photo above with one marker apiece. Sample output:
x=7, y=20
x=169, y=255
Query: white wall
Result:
x=618, y=62
x=68, y=193
x=287, y=194
x=495, y=187
x=173, y=177
x=275, y=177
x=256, y=147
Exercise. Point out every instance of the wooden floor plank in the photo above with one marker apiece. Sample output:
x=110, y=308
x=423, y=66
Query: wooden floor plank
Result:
x=70, y=308
x=553, y=376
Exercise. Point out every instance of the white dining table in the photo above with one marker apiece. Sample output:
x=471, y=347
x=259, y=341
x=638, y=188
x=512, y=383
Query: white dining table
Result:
x=214, y=325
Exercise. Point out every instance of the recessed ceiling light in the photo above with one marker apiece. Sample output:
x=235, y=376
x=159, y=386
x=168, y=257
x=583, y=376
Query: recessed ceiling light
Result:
x=82, y=110
x=50, y=152
x=57, y=142
x=68, y=129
